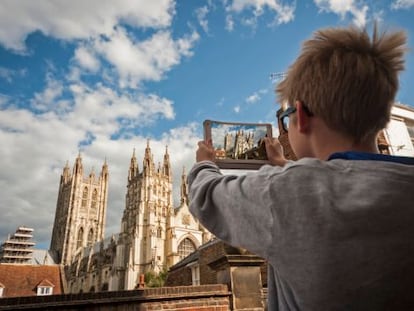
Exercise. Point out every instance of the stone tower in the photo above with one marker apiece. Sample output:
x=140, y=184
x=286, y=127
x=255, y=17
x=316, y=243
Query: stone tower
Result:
x=80, y=211
x=243, y=142
x=149, y=205
x=184, y=233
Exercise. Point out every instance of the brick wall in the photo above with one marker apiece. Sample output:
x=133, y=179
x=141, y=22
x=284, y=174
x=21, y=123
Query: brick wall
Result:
x=180, y=298
x=179, y=277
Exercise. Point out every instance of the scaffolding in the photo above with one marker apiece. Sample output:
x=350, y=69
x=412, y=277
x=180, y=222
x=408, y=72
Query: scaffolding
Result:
x=18, y=248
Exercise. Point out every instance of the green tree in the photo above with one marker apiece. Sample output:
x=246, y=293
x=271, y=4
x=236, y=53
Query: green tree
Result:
x=153, y=279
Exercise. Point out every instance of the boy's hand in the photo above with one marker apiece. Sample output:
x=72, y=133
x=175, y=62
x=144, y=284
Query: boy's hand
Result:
x=274, y=152
x=205, y=151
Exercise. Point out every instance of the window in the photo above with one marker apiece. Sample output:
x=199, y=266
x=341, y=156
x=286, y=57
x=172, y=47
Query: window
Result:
x=195, y=275
x=185, y=248
x=90, y=237
x=159, y=232
x=44, y=290
x=1, y=290
x=80, y=238
x=94, y=201
x=84, y=197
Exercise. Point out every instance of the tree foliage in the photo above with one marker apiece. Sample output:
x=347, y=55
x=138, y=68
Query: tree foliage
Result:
x=153, y=279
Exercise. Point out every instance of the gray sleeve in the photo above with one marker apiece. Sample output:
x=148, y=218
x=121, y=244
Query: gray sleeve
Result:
x=237, y=209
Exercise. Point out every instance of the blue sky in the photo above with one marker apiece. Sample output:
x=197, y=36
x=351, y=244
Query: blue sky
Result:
x=103, y=77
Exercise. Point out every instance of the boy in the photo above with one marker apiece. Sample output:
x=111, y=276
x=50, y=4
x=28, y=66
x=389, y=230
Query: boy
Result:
x=336, y=226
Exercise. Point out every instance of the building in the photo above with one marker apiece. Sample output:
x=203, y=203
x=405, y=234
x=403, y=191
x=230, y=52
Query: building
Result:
x=17, y=280
x=18, y=248
x=154, y=233
x=400, y=131
x=80, y=211
x=25, y=271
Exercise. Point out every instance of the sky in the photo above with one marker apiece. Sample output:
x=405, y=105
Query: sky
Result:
x=103, y=77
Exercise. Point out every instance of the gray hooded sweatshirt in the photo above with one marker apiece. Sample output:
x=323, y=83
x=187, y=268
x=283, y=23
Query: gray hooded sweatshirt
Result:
x=338, y=234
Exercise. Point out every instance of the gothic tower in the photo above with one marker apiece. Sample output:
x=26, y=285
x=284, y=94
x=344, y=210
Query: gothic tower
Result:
x=149, y=204
x=243, y=142
x=184, y=233
x=80, y=211
x=228, y=143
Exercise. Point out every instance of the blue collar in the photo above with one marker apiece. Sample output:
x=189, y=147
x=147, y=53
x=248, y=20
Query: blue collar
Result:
x=353, y=155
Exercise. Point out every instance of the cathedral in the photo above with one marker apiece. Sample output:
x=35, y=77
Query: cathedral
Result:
x=236, y=145
x=154, y=234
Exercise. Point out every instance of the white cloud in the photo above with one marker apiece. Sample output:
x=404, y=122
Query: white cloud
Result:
x=103, y=111
x=6, y=74
x=256, y=96
x=77, y=19
x=229, y=23
x=4, y=99
x=201, y=17
x=9, y=74
x=402, y=4
x=358, y=10
x=236, y=109
x=253, y=98
x=220, y=103
x=85, y=58
x=44, y=100
x=284, y=13
x=146, y=60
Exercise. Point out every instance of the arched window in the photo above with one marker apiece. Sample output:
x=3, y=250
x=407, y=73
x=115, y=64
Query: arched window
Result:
x=80, y=238
x=185, y=248
x=84, y=197
x=159, y=232
x=94, y=200
x=90, y=237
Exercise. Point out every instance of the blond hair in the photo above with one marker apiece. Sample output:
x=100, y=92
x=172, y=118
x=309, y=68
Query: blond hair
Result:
x=347, y=79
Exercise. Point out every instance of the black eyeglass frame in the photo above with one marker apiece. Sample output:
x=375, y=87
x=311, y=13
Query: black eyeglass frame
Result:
x=289, y=111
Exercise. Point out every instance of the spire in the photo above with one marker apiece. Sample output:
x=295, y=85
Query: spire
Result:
x=104, y=172
x=92, y=173
x=65, y=174
x=149, y=166
x=166, y=165
x=78, y=168
x=133, y=167
x=184, y=188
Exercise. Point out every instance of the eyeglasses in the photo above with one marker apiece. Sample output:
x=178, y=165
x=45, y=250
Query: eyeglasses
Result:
x=284, y=116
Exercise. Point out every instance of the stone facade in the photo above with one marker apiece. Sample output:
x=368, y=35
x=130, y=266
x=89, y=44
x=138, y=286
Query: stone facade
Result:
x=80, y=211
x=400, y=131
x=154, y=234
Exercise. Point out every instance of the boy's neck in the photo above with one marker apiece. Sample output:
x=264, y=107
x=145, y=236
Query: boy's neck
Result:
x=324, y=153
x=329, y=142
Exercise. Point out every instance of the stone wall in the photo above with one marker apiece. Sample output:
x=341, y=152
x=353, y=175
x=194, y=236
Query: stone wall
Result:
x=180, y=298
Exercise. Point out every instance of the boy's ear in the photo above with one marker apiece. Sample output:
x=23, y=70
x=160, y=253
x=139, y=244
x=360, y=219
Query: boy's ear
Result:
x=303, y=118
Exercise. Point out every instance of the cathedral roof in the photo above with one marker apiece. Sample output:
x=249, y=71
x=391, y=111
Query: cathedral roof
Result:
x=42, y=257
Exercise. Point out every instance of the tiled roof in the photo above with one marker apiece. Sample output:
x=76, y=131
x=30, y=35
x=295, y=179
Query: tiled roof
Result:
x=22, y=280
